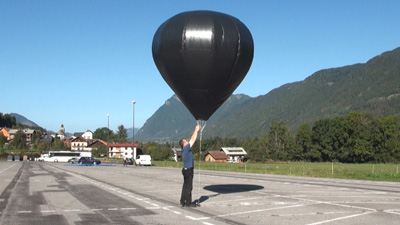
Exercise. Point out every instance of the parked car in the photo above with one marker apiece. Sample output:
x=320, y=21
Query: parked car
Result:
x=88, y=160
x=129, y=161
x=143, y=160
x=10, y=158
x=45, y=158
x=73, y=160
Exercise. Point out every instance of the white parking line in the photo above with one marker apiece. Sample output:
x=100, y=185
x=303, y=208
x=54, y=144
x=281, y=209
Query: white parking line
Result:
x=206, y=223
x=392, y=211
x=259, y=210
x=48, y=211
x=72, y=210
x=7, y=168
x=24, y=211
x=341, y=218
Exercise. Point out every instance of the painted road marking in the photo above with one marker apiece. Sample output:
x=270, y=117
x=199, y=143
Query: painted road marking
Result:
x=24, y=211
x=7, y=168
x=341, y=218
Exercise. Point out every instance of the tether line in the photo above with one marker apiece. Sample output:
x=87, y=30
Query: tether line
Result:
x=202, y=124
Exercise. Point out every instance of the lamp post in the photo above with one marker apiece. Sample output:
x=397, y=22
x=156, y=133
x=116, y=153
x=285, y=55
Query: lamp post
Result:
x=133, y=122
x=133, y=130
x=108, y=120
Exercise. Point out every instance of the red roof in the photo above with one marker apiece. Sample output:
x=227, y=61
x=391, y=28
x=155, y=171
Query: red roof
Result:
x=122, y=145
x=218, y=155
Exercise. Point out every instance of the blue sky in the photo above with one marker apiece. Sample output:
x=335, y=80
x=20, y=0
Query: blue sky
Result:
x=73, y=62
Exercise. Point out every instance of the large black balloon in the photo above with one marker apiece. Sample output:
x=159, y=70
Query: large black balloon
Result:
x=203, y=56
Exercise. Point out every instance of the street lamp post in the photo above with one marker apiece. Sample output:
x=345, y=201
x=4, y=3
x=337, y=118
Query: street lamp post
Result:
x=133, y=122
x=133, y=130
x=108, y=120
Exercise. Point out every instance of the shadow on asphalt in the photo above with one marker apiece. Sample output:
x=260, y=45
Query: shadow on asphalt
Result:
x=228, y=189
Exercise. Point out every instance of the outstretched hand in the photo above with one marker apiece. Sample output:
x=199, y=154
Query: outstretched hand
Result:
x=197, y=128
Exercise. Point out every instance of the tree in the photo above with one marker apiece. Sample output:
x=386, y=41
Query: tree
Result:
x=104, y=134
x=322, y=144
x=157, y=151
x=303, y=142
x=19, y=141
x=255, y=152
x=58, y=145
x=360, y=129
x=7, y=120
x=387, y=140
x=100, y=152
x=35, y=138
x=3, y=141
x=280, y=141
x=122, y=134
x=43, y=146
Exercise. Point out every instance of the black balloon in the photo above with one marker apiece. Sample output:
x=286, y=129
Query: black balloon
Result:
x=203, y=56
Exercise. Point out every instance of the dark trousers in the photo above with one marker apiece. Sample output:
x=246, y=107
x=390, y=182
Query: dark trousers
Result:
x=186, y=196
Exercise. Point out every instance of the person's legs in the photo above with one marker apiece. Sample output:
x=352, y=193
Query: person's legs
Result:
x=186, y=195
x=190, y=187
x=183, y=189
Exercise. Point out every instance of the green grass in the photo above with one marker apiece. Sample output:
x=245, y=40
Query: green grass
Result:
x=375, y=172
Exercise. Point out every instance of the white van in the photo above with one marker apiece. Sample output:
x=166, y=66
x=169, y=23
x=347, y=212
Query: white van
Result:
x=45, y=158
x=143, y=160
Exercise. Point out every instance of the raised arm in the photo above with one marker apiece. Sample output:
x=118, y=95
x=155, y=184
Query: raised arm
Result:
x=194, y=135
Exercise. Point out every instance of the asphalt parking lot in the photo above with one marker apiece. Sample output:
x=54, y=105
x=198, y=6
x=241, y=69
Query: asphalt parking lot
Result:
x=57, y=193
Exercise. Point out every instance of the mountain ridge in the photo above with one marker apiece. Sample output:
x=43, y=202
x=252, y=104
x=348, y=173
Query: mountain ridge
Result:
x=371, y=87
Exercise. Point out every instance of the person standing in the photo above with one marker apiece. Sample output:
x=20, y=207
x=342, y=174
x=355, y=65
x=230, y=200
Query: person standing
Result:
x=187, y=170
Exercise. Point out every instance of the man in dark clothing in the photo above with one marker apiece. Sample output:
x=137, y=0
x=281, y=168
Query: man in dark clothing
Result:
x=187, y=170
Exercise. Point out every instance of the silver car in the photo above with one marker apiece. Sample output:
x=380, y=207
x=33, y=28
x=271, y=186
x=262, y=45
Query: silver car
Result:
x=73, y=160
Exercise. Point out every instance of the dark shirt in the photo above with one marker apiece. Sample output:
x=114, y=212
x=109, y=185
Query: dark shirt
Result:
x=187, y=155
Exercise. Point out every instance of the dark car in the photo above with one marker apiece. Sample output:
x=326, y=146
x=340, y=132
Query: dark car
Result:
x=129, y=161
x=88, y=160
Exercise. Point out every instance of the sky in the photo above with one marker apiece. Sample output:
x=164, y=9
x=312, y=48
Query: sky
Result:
x=73, y=62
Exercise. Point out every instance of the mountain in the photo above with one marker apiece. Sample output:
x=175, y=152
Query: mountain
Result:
x=372, y=87
x=173, y=121
x=130, y=133
x=23, y=120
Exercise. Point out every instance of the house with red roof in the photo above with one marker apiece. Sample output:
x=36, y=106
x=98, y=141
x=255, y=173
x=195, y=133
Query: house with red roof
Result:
x=216, y=156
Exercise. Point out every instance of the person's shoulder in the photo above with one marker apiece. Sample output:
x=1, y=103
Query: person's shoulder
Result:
x=186, y=147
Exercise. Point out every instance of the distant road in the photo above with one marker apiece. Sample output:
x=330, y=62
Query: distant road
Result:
x=38, y=193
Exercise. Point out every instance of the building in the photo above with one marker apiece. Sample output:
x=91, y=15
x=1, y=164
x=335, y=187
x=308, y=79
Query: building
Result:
x=235, y=154
x=27, y=132
x=5, y=132
x=121, y=150
x=88, y=135
x=95, y=144
x=216, y=156
x=79, y=144
x=61, y=133
x=177, y=153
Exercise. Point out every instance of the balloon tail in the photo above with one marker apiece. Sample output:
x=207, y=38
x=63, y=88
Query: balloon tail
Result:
x=202, y=124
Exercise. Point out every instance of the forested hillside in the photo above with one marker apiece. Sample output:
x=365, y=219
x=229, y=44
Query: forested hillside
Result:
x=372, y=87
x=355, y=138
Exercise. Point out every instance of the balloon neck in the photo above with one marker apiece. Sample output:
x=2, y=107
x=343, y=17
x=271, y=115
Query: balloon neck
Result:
x=202, y=124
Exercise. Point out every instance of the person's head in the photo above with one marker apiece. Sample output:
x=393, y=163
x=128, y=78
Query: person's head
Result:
x=183, y=142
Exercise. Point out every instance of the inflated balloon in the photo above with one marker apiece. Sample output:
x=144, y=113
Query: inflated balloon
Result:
x=203, y=56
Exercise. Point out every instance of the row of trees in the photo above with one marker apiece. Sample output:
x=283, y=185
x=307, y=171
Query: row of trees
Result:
x=7, y=120
x=105, y=134
x=355, y=138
